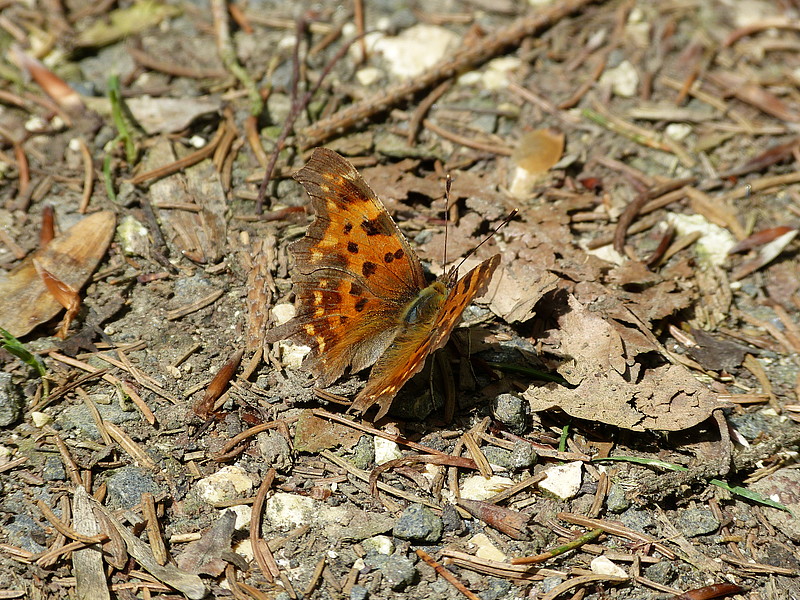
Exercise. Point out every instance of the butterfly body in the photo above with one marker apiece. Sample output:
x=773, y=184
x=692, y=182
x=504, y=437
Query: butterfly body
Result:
x=362, y=295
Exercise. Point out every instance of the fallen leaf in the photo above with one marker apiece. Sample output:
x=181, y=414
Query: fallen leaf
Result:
x=25, y=300
x=618, y=384
x=313, y=434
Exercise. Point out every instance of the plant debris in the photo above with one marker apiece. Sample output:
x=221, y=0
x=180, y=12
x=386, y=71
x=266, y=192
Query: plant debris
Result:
x=618, y=415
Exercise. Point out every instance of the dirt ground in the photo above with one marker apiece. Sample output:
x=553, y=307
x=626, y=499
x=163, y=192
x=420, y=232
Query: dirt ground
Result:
x=616, y=417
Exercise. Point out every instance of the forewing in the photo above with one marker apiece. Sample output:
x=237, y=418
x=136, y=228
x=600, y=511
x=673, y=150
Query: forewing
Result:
x=354, y=272
x=406, y=355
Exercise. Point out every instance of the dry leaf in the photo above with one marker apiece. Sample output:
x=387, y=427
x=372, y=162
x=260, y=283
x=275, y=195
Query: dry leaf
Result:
x=204, y=555
x=25, y=300
x=615, y=383
x=313, y=434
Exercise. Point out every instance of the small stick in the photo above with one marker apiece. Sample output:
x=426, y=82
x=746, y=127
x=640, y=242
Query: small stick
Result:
x=463, y=60
x=446, y=575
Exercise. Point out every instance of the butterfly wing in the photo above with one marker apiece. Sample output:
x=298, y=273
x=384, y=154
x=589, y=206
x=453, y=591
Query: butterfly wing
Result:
x=407, y=353
x=354, y=272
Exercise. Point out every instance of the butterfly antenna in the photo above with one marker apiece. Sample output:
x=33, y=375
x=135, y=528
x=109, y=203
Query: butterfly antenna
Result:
x=448, y=182
x=505, y=222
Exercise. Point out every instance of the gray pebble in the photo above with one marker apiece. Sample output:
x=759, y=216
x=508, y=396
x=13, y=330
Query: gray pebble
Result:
x=363, y=455
x=638, y=520
x=11, y=401
x=398, y=572
x=696, y=521
x=418, y=523
x=359, y=592
x=616, y=501
x=661, y=572
x=498, y=456
x=523, y=456
x=498, y=589
x=53, y=469
x=126, y=486
x=451, y=520
x=512, y=411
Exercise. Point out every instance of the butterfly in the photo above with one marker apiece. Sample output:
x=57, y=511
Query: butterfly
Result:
x=362, y=296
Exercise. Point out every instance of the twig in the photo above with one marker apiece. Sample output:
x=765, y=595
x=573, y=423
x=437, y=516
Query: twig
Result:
x=463, y=60
x=447, y=575
x=571, y=545
x=219, y=11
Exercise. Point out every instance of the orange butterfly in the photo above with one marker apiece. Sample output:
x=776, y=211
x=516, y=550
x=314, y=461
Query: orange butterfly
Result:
x=361, y=293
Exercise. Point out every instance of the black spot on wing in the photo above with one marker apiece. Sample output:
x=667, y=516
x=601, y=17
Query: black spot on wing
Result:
x=371, y=227
x=359, y=306
x=368, y=268
x=352, y=247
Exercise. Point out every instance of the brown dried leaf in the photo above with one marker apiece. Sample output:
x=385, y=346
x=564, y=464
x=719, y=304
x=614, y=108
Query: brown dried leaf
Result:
x=204, y=555
x=25, y=300
x=613, y=387
x=313, y=434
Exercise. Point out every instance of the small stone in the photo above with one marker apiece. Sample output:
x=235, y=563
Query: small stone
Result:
x=133, y=237
x=638, y=520
x=12, y=403
x=53, y=469
x=623, y=79
x=478, y=487
x=616, y=501
x=603, y=566
x=678, y=131
x=386, y=450
x=563, y=481
x=369, y=75
x=451, y=520
x=498, y=457
x=512, y=411
x=283, y=313
x=696, y=521
x=41, y=419
x=363, y=456
x=359, y=592
x=126, y=486
x=228, y=483
x=275, y=450
x=486, y=549
x=399, y=572
x=292, y=354
x=661, y=572
x=416, y=49
x=381, y=544
x=498, y=589
x=286, y=510
x=523, y=456
x=418, y=523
